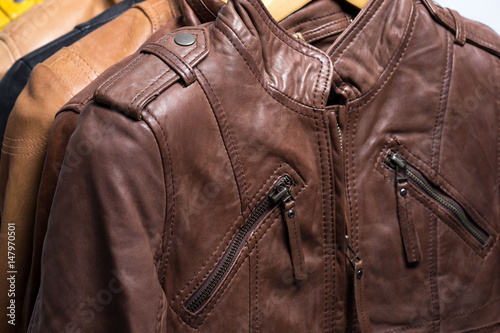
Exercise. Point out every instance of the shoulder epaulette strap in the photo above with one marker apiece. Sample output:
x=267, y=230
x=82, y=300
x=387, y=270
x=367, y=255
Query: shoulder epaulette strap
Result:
x=465, y=30
x=158, y=65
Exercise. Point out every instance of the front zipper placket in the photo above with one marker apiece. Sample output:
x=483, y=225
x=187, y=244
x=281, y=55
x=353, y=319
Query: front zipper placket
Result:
x=280, y=195
x=400, y=166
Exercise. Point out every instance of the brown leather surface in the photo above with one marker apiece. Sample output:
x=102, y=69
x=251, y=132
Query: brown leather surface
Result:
x=51, y=85
x=44, y=23
x=172, y=168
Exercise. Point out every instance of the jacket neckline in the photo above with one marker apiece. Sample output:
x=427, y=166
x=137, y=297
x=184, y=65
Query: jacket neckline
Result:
x=356, y=62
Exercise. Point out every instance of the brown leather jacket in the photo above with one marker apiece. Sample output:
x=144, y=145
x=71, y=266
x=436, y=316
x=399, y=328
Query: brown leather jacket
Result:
x=217, y=180
x=51, y=85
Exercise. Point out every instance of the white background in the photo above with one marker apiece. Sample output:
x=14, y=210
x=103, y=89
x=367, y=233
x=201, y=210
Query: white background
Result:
x=484, y=11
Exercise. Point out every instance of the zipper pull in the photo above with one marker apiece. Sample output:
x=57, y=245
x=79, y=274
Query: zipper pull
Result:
x=409, y=234
x=294, y=239
x=282, y=196
x=282, y=191
x=359, y=287
x=396, y=162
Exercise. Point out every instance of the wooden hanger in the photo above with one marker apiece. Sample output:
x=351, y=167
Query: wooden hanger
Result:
x=281, y=9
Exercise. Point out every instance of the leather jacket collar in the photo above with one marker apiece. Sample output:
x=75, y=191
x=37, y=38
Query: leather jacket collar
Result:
x=359, y=58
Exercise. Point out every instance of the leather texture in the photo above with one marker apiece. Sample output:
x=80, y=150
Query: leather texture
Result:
x=180, y=147
x=53, y=83
x=44, y=23
x=317, y=15
x=18, y=75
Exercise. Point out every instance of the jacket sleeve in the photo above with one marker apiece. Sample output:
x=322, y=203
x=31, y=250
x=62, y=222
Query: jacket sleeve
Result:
x=101, y=261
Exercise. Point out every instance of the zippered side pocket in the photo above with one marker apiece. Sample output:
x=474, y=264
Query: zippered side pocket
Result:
x=279, y=197
x=410, y=180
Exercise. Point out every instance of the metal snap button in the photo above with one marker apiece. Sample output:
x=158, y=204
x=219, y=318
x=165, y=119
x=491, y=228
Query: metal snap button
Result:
x=184, y=39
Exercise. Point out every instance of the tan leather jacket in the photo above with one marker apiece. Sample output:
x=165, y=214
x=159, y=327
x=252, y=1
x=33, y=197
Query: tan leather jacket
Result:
x=220, y=171
x=44, y=23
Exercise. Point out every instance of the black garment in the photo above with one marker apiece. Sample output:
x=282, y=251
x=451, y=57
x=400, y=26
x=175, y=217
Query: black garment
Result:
x=16, y=78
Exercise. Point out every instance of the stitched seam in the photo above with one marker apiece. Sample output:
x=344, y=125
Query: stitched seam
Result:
x=298, y=250
x=316, y=89
x=483, y=40
x=325, y=304
x=78, y=65
x=486, y=329
x=434, y=289
x=118, y=75
x=155, y=17
x=12, y=47
x=257, y=287
x=259, y=78
x=61, y=80
x=294, y=101
x=311, y=38
x=354, y=179
x=315, y=38
x=332, y=196
x=314, y=19
x=158, y=314
x=276, y=35
x=272, y=27
x=429, y=205
x=362, y=299
x=258, y=197
x=181, y=60
x=173, y=12
x=77, y=55
x=468, y=312
x=31, y=139
x=226, y=125
x=410, y=327
x=412, y=230
x=231, y=279
x=162, y=240
x=442, y=104
x=353, y=30
x=395, y=65
x=324, y=26
x=229, y=282
x=24, y=154
x=410, y=233
x=166, y=194
x=448, y=184
x=167, y=70
x=25, y=147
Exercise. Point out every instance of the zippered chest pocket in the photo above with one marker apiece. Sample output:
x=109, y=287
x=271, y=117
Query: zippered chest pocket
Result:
x=436, y=195
x=276, y=206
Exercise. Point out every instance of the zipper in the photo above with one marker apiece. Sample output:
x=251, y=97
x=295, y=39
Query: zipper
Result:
x=279, y=195
x=339, y=130
x=406, y=171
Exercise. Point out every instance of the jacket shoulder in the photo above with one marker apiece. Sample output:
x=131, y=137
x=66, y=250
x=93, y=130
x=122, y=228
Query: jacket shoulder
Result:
x=465, y=30
x=157, y=66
